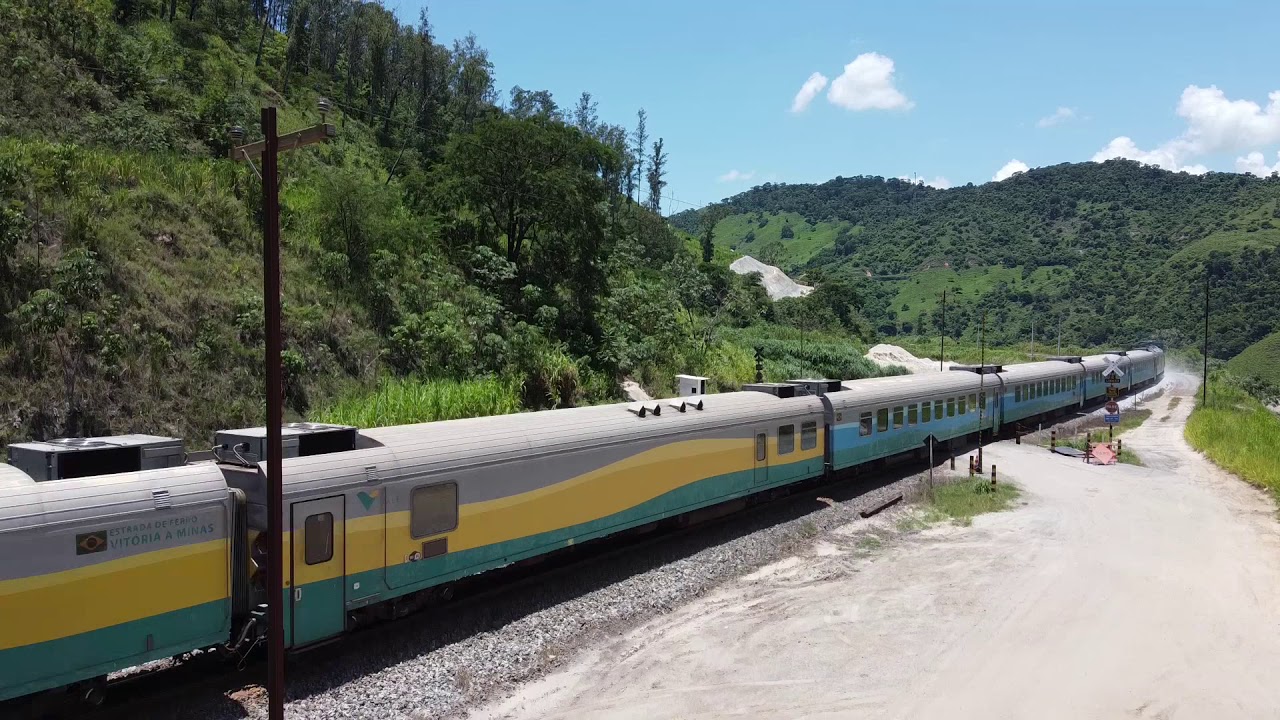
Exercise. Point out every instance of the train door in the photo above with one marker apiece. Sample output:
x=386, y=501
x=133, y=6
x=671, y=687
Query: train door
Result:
x=317, y=600
x=761, y=456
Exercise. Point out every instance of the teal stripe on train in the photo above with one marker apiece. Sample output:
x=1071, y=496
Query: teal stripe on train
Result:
x=32, y=668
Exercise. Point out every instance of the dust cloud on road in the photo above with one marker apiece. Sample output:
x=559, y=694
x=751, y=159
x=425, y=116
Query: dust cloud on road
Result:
x=1109, y=592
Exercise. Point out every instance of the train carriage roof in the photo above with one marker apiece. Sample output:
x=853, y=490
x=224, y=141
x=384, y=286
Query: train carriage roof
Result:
x=1029, y=372
x=456, y=444
x=27, y=504
x=903, y=388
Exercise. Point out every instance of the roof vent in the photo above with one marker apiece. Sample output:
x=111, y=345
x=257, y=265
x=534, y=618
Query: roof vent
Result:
x=162, y=499
x=818, y=387
x=67, y=458
x=248, y=446
x=782, y=390
x=979, y=369
x=648, y=407
x=683, y=404
x=1066, y=358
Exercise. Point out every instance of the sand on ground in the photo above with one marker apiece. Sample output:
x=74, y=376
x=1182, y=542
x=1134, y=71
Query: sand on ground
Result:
x=1108, y=592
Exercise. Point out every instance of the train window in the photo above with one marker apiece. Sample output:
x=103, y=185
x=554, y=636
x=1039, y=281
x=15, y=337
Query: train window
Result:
x=317, y=538
x=808, y=435
x=912, y=414
x=937, y=409
x=1017, y=393
x=433, y=509
x=864, y=424
x=897, y=417
x=973, y=403
x=951, y=407
x=786, y=439
x=762, y=445
x=964, y=408
x=882, y=420
x=926, y=413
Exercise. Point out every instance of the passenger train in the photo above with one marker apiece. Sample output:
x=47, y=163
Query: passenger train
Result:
x=122, y=550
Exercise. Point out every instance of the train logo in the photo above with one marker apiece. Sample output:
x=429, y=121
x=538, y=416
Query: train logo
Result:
x=367, y=498
x=88, y=543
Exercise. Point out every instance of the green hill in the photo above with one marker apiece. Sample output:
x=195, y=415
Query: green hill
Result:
x=1260, y=360
x=1116, y=251
x=500, y=244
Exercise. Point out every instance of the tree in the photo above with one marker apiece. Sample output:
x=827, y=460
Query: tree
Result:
x=528, y=103
x=710, y=217
x=640, y=137
x=531, y=179
x=585, y=117
x=657, y=169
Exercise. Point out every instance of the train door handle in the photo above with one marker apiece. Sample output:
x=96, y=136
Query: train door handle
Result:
x=297, y=594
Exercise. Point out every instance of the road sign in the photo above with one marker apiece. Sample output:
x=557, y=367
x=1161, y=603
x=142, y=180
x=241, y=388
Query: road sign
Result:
x=1113, y=391
x=1111, y=412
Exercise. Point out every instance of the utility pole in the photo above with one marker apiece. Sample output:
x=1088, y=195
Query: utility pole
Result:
x=1204, y=398
x=942, y=353
x=268, y=149
x=1059, y=333
x=1033, y=337
x=982, y=376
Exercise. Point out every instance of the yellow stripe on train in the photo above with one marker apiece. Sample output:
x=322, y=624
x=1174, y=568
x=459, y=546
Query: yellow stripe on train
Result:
x=57, y=605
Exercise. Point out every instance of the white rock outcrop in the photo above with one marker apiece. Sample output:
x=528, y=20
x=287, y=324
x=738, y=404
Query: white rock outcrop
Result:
x=776, y=282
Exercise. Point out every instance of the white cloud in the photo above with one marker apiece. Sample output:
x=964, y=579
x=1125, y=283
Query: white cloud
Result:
x=736, y=176
x=938, y=182
x=867, y=84
x=1215, y=124
x=808, y=92
x=1058, y=117
x=1256, y=163
x=1168, y=156
x=1011, y=168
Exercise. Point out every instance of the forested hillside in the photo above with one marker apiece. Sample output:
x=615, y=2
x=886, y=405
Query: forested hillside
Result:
x=500, y=241
x=1117, y=251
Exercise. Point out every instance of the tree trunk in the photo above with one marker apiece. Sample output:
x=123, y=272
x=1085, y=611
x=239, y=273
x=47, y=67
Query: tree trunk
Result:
x=173, y=9
x=191, y=14
x=262, y=35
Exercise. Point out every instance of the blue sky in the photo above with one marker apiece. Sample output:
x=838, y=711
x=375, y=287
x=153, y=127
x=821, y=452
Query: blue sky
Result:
x=948, y=92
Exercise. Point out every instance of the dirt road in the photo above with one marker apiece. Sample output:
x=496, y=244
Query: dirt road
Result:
x=1111, y=592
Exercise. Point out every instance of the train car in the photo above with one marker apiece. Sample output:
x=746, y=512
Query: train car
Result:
x=1142, y=368
x=1041, y=388
x=420, y=506
x=102, y=573
x=879, y=417
x=1095, y=387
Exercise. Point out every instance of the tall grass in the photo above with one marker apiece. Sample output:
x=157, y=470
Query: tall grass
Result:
x=404, y=402
x=960, y=501
x=1237, y=433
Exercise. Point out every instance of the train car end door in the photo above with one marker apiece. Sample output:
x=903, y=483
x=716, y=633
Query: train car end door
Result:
x=317, y=599
x=761, y=450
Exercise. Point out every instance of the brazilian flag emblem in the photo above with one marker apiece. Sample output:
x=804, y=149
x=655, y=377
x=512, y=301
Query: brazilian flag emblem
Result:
x=88, y=543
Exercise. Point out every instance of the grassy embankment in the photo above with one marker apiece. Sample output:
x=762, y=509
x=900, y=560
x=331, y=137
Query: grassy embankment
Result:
x=971, y=353
x=959, y=501
x=1239, y=434
x=408, y=401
